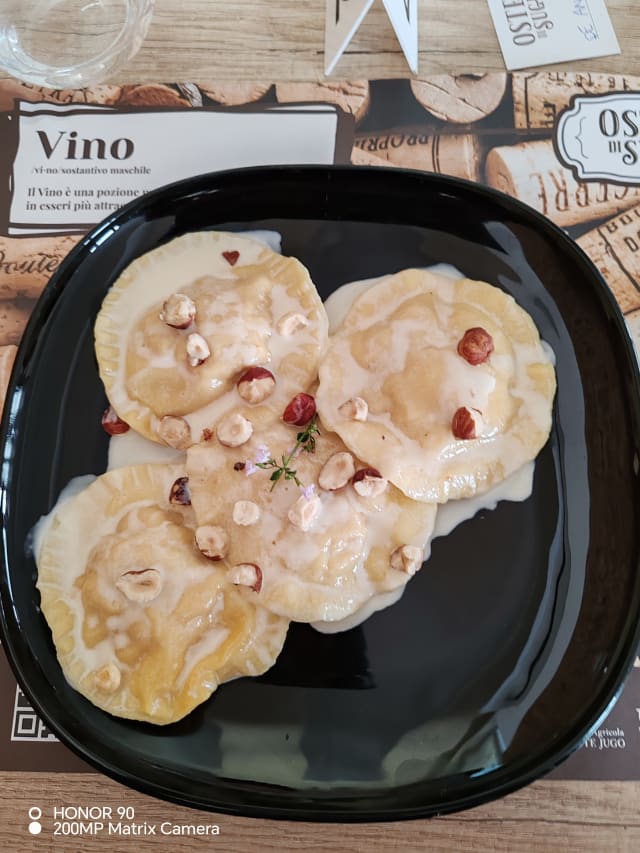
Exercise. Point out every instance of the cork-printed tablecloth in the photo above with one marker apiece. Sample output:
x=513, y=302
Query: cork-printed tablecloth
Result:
x=497, y=129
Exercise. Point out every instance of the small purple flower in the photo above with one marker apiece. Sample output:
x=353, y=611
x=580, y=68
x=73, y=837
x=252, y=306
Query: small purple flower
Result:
x=250, y=468
x=262, y=454
x=308, y=491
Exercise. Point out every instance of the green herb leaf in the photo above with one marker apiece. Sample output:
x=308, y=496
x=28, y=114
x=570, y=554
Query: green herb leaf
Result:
x=305, y=440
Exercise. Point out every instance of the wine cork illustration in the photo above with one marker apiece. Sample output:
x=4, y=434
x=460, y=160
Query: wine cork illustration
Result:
x=614, y=247
x=413, y=148
x=539, y=97
x=152, y=95
x=11, y=90
x=364, y=158
x=7, y=357
x=27, y=263
x=13, y=319
x=234, y=94
x=461, y=99
x=351, y=96
x=530, y=172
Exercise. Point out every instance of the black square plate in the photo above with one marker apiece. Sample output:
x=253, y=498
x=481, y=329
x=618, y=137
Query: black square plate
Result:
x=506, y=650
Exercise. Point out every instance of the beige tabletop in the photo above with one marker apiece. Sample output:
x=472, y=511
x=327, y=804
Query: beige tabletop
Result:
x=262, y=40
x=214, y=40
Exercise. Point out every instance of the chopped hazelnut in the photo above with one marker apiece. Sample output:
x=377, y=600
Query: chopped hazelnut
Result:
x=256, y=384
x=466, y=423
x=246, y=513
x=337, y=471
x=246, y=574
x=369, y=482
x=179, y=494
x=197, y=349
x=305, y=511
x=107, y=678
x=290, y=323
x=212, y=541
x=175, y=432
x=355, y=409
x=407, y=558
x=234, y=430
x=300, y=410
x=178, y=311
x=140, y=585
x=112, y=424
x=476, y=345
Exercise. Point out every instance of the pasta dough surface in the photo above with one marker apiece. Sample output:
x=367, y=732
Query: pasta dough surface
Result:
x=327, y=571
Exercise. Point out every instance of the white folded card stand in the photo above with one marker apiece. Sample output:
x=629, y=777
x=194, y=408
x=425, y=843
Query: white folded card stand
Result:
x=345, y=16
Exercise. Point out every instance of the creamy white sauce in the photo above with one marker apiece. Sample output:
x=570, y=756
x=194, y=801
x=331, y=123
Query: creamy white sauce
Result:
x=271, y=239
x=516, y=487
x=337, y=305
x=131, y=448
x=375, y=603
x=39, y=530
x=548, y=351
x=279, y=347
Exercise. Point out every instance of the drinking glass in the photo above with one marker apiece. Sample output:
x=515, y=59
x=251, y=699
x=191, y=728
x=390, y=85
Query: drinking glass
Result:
x=70, y=43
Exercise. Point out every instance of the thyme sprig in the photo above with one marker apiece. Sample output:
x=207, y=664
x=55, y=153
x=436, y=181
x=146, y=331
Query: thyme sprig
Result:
x=305, y=440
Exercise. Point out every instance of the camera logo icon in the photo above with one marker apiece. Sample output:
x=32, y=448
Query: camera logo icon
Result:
x=35, y=827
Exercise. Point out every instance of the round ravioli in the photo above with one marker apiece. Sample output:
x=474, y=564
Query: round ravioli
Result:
x=307, y=545
x=454, y=387
x=185, y=323
x=144, y=625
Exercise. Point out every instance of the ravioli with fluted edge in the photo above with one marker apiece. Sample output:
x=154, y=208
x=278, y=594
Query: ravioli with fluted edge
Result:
x=454, y=387
x=144, y=625
x=315, y=546
x=207, y=325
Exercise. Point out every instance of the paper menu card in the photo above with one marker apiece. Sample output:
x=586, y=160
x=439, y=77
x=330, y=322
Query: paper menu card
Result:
x=542, y=32
x=73, y=162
